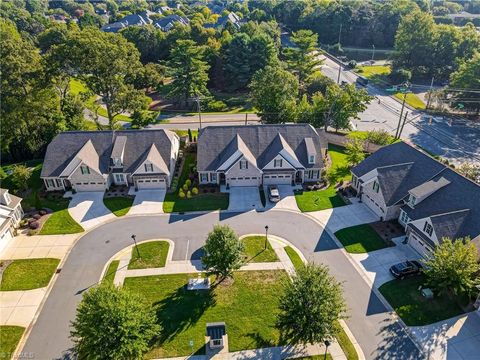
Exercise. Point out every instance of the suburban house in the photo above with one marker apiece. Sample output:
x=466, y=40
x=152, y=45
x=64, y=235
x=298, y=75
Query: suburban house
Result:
x=11, y=213
x=231, y=17
x=165, y=23
x=428, y=198
x=94, y=160
x=253, y=155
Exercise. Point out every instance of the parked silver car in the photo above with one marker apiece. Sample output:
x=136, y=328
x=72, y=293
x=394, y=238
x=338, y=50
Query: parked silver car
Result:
x=273, y=193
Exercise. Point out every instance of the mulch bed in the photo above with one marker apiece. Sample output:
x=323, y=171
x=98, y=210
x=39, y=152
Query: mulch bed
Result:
x=388, y=229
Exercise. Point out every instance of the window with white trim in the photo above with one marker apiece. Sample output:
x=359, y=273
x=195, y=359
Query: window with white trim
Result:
x=311, y=159
x=204, y=178
x=85, y=170
x=404, y=217
x=119, y=178
x=148, y=167
x=277, y=163
x=59, y=183
x=243, y=164
x=376, y=186
x=428, y=228
x=50, y=183
x=412, y=200
x=213, y=177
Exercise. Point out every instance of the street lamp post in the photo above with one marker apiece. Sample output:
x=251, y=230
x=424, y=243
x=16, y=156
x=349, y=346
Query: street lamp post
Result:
x=266, y=236
x=373, y=51
x=134, y=237
x=327, y=344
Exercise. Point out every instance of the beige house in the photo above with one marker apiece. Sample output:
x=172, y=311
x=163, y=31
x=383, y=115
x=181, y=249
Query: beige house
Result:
x=94, y=160
x=11, y=213
x=429, y=199
x=257, y=155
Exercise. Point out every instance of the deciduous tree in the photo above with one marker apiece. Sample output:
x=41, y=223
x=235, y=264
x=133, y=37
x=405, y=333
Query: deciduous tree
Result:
x=112, y=323
x=355, y=152
x=223, y=252
x=20, y=176
x=310, y=306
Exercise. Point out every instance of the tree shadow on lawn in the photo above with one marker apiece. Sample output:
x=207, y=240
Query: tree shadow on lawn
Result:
x=337, y=173
x=259, y=341
x=182, y=309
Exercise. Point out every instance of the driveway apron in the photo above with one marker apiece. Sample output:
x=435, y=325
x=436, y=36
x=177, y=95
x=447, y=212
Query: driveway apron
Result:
x=88, y=209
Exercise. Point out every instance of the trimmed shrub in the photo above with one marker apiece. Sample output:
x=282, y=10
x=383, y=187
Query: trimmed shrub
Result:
x=37, y=216
x=34, y=225
x=189, y=194
x=216, y=105
x=398, y=76
x=194, y=191
x=185, y=187
x=43, y=212
x=181, y=194
x=188, y=182
x=352, y=64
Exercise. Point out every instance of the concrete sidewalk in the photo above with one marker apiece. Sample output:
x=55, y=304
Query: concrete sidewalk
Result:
x=38, y=246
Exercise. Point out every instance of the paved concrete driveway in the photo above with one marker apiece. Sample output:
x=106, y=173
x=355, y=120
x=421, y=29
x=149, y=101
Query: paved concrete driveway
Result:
x=345, y=216
x=244, y=198
x=376, y=264
x=287, y=199
x=87, y=208
x=457, y=338
x=148, y=202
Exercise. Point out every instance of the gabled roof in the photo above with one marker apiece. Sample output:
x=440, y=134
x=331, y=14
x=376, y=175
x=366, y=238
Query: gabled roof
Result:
x=450, y=203
x=279, y=146
x=153, y=156
x=237, y=145
x=87, y=155
x=423, y=168
x=218, y=143
x=390, y=179
x=65, y=147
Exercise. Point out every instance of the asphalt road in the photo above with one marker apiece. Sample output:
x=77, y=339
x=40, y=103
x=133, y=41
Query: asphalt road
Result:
x=379, y=335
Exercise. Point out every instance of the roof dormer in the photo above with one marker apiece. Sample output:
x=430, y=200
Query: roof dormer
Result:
x=421, y=192
x=118, y=151
x=311, y=153
x=5, y=198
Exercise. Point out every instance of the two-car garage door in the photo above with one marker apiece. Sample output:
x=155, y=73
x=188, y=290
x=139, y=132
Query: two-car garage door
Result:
x=143, y=184
x=283, y=179
x=419, y=245
x=244, y=181
x=90, y=186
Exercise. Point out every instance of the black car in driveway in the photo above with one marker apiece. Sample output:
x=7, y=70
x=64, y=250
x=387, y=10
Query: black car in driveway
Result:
x=407, y=268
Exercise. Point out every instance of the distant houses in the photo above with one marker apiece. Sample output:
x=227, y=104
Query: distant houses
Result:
x=231, y=18
x=165, y=23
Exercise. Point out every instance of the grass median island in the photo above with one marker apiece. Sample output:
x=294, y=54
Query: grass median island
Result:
x=413, y=308
x=9, y=338
x=294, y=257
x=109, y=275
x=255, y=250
x=328, y=198
x=248, y=306
x=360, y=239
x=28, y=274
x=118, y=205
x=200, y=202
x=153, y=254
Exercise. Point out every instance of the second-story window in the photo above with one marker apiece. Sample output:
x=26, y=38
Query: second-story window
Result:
x=277, y=163
x=243, y=164
x=428, y=228
x=376, y=186
x=412, y=200
x=311, y=159
x=85, y=170
x=148, y=167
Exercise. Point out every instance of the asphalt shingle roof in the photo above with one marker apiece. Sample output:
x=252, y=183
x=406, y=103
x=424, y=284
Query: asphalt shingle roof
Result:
x=215, y=143
x=65, y=146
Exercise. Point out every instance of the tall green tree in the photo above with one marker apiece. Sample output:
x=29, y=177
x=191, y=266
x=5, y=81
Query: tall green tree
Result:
x=310, y=306
x=112, y=323
x=274, y=92
x=189, y=72
x=355, y=152
x=303, y=59
x=109, y=65
x=453, y=267
x=223, y=252
x=467, y=79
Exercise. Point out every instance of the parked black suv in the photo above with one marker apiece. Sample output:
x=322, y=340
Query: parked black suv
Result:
x=407, y=268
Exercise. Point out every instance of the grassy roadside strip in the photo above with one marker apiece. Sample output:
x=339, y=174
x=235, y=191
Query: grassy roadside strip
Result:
x=109, y=275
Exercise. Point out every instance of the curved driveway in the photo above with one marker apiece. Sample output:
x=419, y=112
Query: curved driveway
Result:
x=377, y=333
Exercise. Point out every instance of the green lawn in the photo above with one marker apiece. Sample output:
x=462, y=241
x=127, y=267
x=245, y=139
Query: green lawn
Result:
x=27, y=274
x=294, y=257
x=412, y=307
x=109, y=275
x=118, y=205
x=153, y=254
x=360, y=239
x=346, y=345
x=248, y=306
x=379, y=75
x=255, y=250
x=362, y=135
x=328, y=198
x=200, y=202
x=60, y=222
x=9, y=338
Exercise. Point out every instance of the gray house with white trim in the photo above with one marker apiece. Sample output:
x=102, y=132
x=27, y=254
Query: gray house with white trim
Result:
x=94, y=160
x=429, y=199
x=255, y=155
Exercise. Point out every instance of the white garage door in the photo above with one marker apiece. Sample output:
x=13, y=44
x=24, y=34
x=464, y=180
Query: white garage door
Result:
x=419, y=245
x=90, y=186
x=244, y=181
x=5, y=238
x=284, y=179
x=151, y=184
